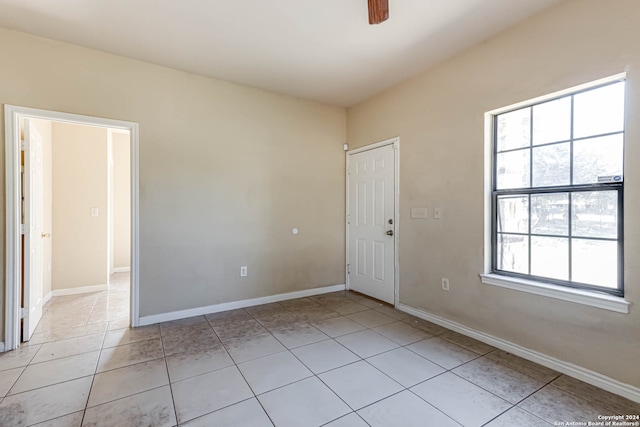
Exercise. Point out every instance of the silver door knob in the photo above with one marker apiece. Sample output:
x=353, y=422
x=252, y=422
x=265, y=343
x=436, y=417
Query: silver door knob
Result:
x=46, y=235
x=390, y=233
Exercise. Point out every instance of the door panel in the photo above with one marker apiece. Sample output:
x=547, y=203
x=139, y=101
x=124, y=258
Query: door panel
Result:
x=33, y=220
x=371, y=215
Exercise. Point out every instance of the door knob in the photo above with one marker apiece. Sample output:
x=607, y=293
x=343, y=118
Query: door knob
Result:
x=390, y=233
x=46, y=235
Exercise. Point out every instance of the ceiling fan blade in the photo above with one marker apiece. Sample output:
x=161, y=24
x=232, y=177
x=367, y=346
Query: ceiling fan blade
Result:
x=378, y=11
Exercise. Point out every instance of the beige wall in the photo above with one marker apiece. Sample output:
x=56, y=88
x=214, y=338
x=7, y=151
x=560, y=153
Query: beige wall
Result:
x=439, y=118
x=121, y=200
x=226, y=172
x=79, y=184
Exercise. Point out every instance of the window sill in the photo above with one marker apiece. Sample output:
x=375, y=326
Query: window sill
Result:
x=578, y=296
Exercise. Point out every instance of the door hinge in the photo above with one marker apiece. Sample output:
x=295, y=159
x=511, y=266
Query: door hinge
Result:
x=21, y=228
x=23, y=147
x=23, y=313
x=348, y=268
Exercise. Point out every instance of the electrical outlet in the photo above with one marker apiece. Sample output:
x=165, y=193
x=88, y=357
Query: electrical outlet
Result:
x=445, y=284
x=243, y=271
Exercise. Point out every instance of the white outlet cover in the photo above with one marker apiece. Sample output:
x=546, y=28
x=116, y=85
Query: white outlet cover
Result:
x=294, y=231
x=94, y=211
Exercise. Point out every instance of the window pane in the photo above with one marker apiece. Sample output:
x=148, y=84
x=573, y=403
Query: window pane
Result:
x=513, y=169
x=595, y=214
x=513, y=253
x=551, y=165
x=597, y=157
x=595, y=262
x=550, y=214
x=514, y=129
x=513, y=214
x=552, y=121
x=550, y=257
x=599, y=111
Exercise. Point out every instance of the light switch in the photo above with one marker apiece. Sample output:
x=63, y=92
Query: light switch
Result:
x=418, y=213
x=437, y=213
x=94, y=211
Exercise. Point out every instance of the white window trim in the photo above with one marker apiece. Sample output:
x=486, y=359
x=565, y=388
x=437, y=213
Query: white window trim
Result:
x=579, y=296
x=564, y=293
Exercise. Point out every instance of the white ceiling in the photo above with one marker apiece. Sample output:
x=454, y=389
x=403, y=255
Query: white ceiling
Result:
x=322, y=50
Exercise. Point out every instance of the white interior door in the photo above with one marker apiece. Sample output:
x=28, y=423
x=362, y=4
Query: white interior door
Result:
x=33, y=219
x=371, y=222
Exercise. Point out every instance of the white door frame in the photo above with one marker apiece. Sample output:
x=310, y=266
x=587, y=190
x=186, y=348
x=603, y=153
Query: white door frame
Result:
x=12, y=115
x=396, y=203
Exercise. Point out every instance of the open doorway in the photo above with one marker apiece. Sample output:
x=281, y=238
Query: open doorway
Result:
x=71, y=223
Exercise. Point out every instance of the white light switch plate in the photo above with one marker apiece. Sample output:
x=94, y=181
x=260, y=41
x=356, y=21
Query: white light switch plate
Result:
x=94, y=211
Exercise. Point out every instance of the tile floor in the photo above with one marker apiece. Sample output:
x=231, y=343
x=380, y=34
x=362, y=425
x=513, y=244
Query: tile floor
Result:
x=339, y=360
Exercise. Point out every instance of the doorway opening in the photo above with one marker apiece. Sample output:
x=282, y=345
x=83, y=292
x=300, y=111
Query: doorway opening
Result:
x=72, y=222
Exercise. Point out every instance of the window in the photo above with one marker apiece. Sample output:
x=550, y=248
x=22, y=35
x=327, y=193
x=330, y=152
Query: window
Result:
x=557, y=190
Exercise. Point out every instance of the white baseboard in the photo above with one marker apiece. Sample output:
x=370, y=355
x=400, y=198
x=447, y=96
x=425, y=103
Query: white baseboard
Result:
x=182, y=314
x=1, y=347
x=586, y=375
x=47, y=297
x=121, y=269
x=79, y=290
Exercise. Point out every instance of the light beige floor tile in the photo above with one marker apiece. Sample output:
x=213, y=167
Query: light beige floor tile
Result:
x=80, y=331
x=371, y=318
x=7, y=379
x=248, y=413
x=265, y=309
x=298, y=335
x=183, y=325
x=316, y=313
x=405, y=366
x=130, y=335
x=122, y=382
x=56, y=371
x=517, y=417
x=68, y=347
x=553, y=405
x=466, y=403
x=392, y=312
x=360, y=384
x=443, y=352
x=305, y=403
x=338, y=326
x=366, y=343
x=294, y=304
x=347, y=307
x=71, y=420
x=349, y=420
x=18, y=358
x=594, y=394
x=499, y=379
x=227, y=316
x=239, y=329
x=150, y=408
x=206, y=393
x=118, y=324
x=245, y=349
x=467, y=342
x=522, y=365
x=129, y=354
x=45, y=403
x=325, y=355
x=404, y=409
x=199, y=340
x=269, y=372
x=278, y=320
x=193, y=363
x=37, y=339
x=428, y=327
x=401, y=333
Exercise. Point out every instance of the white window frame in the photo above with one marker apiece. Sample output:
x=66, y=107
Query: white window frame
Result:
x=537, y=287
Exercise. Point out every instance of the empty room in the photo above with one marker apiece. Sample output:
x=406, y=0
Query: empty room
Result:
x=341, y=213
